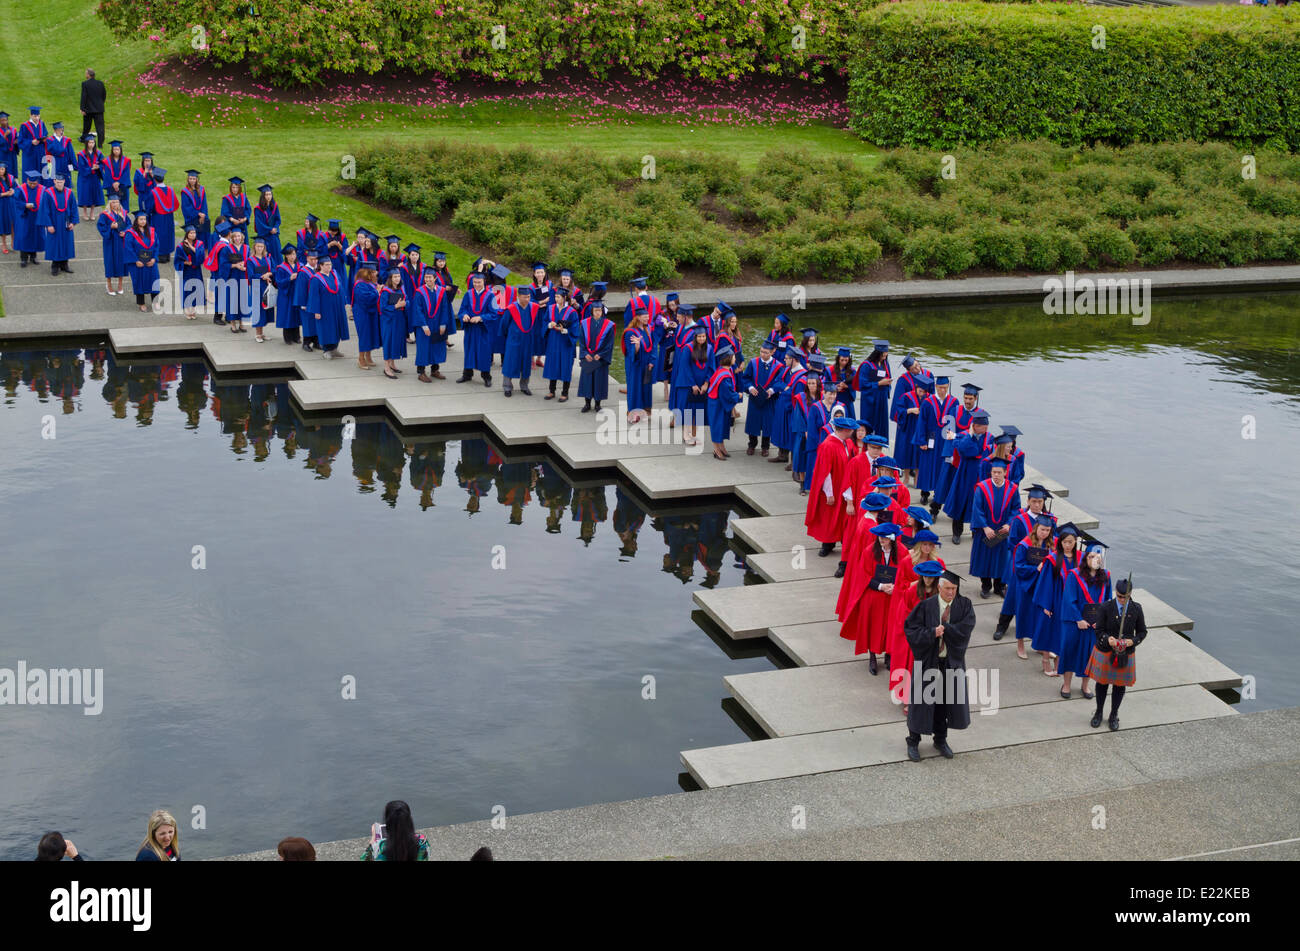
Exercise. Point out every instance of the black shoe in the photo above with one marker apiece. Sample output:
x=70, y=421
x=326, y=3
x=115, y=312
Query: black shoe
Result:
x=487, y=379
x=913, y=753
x=944, y=749
x=597, y=406
x=999, y=632
x=508, y=389
x=1095, y=721
x=843, y=567
x=986, y=592
x=587, y=407
x=886, y=659
x=999, y=589
x=925, y=497
x=523, y=388
x=1113, y=722
x=466, y=376
x=871, y=665
x=826, y=549
x=66, y=270
x=934, y=509
x=54, y=271
x=956, y=539
x=307, y=347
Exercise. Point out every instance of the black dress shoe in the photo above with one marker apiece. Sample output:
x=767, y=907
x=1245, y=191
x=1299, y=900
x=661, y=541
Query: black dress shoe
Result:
x=66, y=270
x=587, y=408
x=487, y=380
x=1000, y=590
x=999, y=633
x=913, y=753
x=465, y=378
x=1095, y=721
x=1113, y=723
x=886, y=660
x=523, y=388
x=986, y=592
x=826, y=549
x=871, y=665
x=944, y=749
x=839, y=571
x=956, y=539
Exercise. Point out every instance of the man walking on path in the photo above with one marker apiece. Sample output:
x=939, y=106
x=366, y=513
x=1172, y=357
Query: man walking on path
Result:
x=93, y=95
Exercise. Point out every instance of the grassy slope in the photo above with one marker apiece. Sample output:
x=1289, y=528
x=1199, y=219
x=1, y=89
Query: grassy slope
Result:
x=299, y=149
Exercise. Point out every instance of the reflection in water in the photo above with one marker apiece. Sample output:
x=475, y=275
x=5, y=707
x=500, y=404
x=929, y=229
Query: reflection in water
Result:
x=257, y=420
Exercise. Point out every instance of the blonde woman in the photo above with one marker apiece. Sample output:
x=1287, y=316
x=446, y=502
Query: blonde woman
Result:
x=163, y=843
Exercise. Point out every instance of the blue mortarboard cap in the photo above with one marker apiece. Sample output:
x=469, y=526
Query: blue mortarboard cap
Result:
x=310, y=217
x=942, y=381
x=809, y=332
x=817, y=360
x=60, y=176
x=925, y=381
x=725, y=309
x=724, y=348
x=929, y=569
x=1037, y=491
x=440, y=255
x=34, y=110
x=57, y=125
x=881, y=345
x=500, y=272
x=980, y=416
x=597, y=303
x=886, y=529
x=262, y=188
x=222, y=227
x=639, y=283
x=1069, y=528
x=888, y=462
x=1004, y=440
x=116, y=143
x=192, y=171
x=1011, y=431
x=687, y=308
x=3, y=114
x=877, y=440
x=767, y=344
x=971, y=389
x=234, y=180
x=875, y=502
x=599, y=286
x=1044, y=520
x=1096, y=546
x=159, y=173
x=539, y=264
x=409, y=248
x=785, y=321
x=671, y=296
x=921, y=514
x=565, y=272
x=474, y=274
x=844, y=352
x=996, y=463
x=908, y=361
x=32, y=174
x=886, y=482
x=925, y=535
x=843, y=422
x=394, y=239
x=334, y=224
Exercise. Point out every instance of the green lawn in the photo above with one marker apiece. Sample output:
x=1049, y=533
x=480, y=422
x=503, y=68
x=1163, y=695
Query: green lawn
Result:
x=300, y=149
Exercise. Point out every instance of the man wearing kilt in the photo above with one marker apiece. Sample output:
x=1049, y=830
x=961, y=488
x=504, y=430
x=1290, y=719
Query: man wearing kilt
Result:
x=1121, y=627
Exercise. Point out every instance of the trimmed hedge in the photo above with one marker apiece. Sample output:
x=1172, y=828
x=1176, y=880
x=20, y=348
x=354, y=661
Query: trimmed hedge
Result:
x=1034, y=207
x=945, y=74
x=299, y=41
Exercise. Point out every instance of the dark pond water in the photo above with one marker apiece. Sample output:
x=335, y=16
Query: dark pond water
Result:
x=519, y=685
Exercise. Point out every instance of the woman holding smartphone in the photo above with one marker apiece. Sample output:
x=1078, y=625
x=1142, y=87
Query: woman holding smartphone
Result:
x=395, y=840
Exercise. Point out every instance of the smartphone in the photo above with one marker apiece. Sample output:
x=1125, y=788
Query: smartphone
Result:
x=380, y=831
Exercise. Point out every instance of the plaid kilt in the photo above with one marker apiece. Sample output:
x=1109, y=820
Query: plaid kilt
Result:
x=1102, y=669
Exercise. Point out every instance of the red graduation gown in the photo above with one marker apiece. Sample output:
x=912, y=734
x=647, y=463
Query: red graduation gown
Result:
x=900, y=652
x=825, y=520
x=868, y=615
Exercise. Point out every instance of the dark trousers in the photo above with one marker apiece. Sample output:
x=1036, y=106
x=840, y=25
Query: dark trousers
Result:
x=767, y=442
x=139, y=298
x=940, y=726
x=290, y=334
x=97, y=120
x=566, y=387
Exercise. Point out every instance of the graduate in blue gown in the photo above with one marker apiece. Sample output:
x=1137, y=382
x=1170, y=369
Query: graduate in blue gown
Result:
x=113, y=224
x=1049, y=593
x=391, y=258
x=994, y=503
x=519, y=319
x=1015, y=456
x=663, y=330
x=141, y=249
x=27, y=200
x=336, y=246
x=433, y=324
x=909, y=421
x=1021, y=525
x=188, y=262
x=142, y=178
x=261, y=280
x=638, y=365
x=365, y=311
x=961, y=424
x=194, y=207
x=1086, y=589
x=392, y=323
x=842, y=374
x=723, y=399
x=697, y=361
x=57, y=218
x=781, y=436
x=968, y=450
x=872, y=383
x=235, y=207
x=310, y=267
x=232, y=282
x=162, y=203
x=8, y=188
x=288, y=316
x=116, y=173
x=1028, y=560
x=61, y=153
x=561, y=345
x=32, y=136
x=761, y=380
x=310, y=238
x=931, y=438
x=543, y=292
x=326, y=300
x=817, y=416
x=8, y=146
x=412, y=271
x=266, y=223
x=478, y=318
x=90, y=182
x=679, y=390
x=595, y=351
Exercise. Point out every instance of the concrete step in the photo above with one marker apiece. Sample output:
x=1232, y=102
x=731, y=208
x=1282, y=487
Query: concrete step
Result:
x=810, y=753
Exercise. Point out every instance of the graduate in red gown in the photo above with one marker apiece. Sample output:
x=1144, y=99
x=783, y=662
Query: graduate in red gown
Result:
x=888, y=486
x=870, y=597
x=826, y=516
x=867, y=514
x=888, y=466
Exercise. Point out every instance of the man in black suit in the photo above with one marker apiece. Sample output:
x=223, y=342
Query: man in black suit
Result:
x=93, y=95
x=939, y=630
x=1113, y=663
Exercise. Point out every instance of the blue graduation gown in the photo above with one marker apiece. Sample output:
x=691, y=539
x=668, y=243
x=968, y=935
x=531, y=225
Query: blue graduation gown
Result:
x=188, y=263
x=506, y=297
x=665, y=341
x=27, y=229
x=681, y=378
x=336, y=246
x=638, y=368
x=266, y=225
x=906, y=452
x=1022, y=523
x=114, y=249
x=781, y=436
x=392, y=323
x=9, y=149
x=992, y=507
x=695, y=406
x=325, y=299
x=1076, y=644
x=477, y=335
x=519, y=321
x=1049, y=591
x=193, y=204
x=932, y=450
x=237, y=206
x=814, y=432
x=58, y=211
x=904, y=385
x=64, y=154
x=232, y=285
x=144, y=278
x=365, y=316
x=90, y=186
x=874, y=399
x=162, y=203
x=560, y=343
x=595, y=339
x=288, y=315
x=31, y=143
x=722, y=400
x=762, y=408
x=301, y=286
x=412, y=278
x=431, y=311
x=1030, y=619
x=258, y=287
x=8, y=212
x=968, y=450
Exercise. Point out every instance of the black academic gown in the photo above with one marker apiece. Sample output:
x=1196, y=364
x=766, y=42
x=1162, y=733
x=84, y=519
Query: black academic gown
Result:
x=919, y=629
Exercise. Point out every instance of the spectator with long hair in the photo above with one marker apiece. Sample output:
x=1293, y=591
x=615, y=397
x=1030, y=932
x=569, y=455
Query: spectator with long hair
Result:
x=396, y=840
